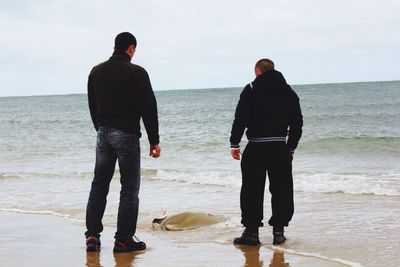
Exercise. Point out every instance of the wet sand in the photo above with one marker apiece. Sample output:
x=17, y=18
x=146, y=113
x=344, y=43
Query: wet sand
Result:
x=44, y=240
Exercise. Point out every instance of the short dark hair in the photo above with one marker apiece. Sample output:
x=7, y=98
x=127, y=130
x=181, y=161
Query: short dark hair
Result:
x=265, y=64
x=124, y=40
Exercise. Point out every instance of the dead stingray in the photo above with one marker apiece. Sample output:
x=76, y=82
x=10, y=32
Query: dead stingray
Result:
x=185, y=221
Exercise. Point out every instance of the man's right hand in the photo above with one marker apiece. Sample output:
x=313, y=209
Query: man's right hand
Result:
x=291, y=153
x=235, y=153
x=155, y=151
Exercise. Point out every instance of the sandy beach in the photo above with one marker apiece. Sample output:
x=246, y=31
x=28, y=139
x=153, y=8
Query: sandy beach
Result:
x=44, y=240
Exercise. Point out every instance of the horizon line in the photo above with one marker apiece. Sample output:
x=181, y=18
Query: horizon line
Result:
x=211, y=88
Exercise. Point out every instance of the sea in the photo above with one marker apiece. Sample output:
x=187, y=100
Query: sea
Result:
x=346, y=167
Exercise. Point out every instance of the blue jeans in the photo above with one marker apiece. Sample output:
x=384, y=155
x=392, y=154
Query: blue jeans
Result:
x=113, y=144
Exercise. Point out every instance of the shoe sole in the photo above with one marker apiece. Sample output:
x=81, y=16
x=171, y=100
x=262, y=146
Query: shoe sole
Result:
x=277, y=243
x=122, y=250
x=247, y=243
x=127, y=250
x=92, y=249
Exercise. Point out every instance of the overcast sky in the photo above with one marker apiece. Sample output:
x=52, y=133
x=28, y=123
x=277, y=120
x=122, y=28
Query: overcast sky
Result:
x=49, y=47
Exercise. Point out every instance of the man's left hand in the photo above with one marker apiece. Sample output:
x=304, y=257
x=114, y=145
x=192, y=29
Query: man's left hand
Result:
x=235, y=153
x=155, y=151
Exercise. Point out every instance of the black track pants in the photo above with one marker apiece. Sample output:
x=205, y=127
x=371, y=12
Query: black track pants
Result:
x=257, y=160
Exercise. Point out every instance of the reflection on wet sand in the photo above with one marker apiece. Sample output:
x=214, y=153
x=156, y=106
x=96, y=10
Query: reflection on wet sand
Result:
x=121, y=259
x=93, y=259
x=278, y=260
x=124, y=259
x=252, y=257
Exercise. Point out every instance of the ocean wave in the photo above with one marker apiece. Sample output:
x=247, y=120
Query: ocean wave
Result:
x=365, y=138
x=361, y=144
x=54, y=174
x=6, y=176
x=376, y=183
x=147, y=172
x=210, y=178
x=379, y=184
x=338, y=114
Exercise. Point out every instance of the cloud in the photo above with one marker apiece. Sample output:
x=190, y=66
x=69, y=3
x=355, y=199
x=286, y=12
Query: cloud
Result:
x=49, y=46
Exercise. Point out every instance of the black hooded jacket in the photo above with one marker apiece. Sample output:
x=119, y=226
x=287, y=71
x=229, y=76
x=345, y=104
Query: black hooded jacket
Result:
x=120, y=94
x=270, y=110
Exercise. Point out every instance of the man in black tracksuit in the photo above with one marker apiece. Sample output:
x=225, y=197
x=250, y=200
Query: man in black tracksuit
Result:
x=119, y=95
x=270, y=111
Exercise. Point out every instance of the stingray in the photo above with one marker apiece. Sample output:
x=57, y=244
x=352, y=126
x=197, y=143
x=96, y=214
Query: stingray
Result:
x=185, y=221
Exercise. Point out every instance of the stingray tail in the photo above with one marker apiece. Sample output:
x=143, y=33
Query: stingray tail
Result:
x=159, y=220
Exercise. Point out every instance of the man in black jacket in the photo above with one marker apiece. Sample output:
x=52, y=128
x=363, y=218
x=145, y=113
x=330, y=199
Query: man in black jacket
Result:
x=119, y=95
x=270, y=111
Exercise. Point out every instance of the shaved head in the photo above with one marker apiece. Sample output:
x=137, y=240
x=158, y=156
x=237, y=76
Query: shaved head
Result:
x=264, y=65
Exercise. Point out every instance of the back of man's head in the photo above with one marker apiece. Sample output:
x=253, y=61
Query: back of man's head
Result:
x=124, y=40
x=264, y=65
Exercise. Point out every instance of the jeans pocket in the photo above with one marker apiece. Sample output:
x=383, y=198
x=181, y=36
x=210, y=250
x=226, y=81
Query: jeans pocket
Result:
x=101, y=140
x=124, y=143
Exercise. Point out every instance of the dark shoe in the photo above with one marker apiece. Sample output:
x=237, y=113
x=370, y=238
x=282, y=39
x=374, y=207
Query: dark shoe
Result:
x=279, y=237
x=248, y=238
x=128, y=246
x=92, y=244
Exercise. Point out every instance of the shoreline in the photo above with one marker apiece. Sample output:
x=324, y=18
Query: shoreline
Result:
x=44, y=240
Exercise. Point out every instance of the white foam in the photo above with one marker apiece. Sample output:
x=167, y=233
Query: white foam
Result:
x=42, y=212
x=47, y=174
x=228, y=224
x=349, y=183
x=9, y=175
x=218, y=178
x=384, y=184
x=316, y=255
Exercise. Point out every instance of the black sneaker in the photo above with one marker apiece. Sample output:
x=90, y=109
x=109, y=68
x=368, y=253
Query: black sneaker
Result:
x=247, y=238
x=128, y=246
x=92, y=244
x=279, y=237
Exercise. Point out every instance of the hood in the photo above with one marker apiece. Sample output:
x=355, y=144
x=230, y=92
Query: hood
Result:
x=271, y=77
x=271, y=82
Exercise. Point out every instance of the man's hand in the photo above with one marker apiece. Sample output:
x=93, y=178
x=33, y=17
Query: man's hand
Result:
x=291, y=153
x=155, y=151
x=235, y=153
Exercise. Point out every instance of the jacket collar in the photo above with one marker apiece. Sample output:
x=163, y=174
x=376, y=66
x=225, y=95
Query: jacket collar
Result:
x=120, y=55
